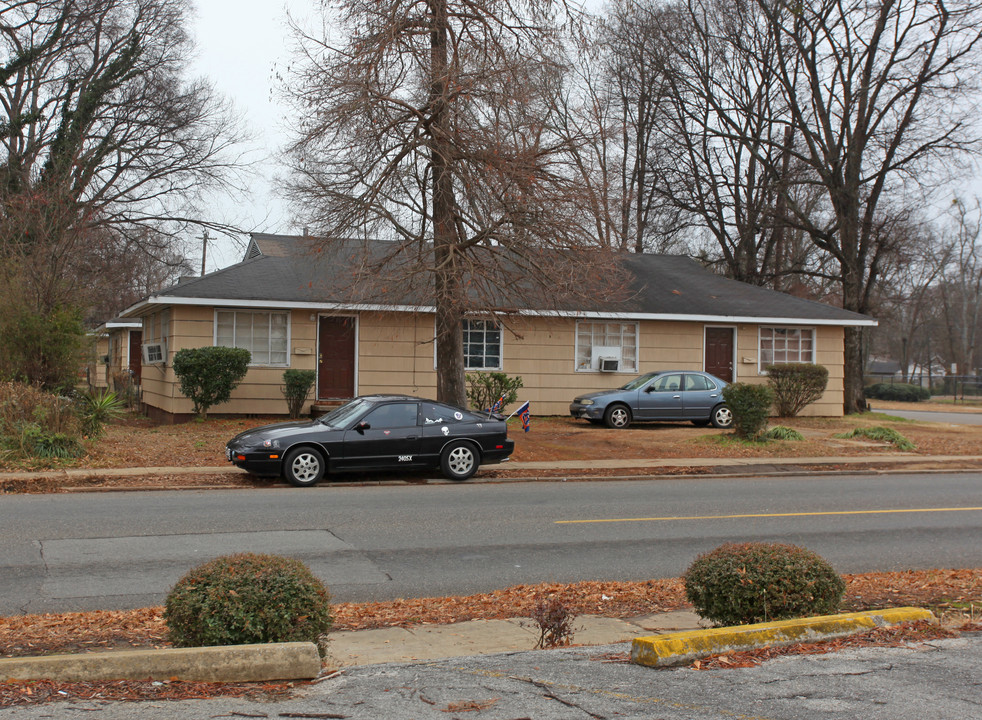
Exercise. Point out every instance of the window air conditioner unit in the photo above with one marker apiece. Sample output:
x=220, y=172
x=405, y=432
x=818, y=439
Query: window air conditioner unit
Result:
x=154, y=353
x=609, y=364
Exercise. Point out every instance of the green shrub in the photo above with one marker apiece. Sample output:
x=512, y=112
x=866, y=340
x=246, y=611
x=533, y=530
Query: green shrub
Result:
x=484, y=389
x=881, y=434
x=247, y=598
x=95, y=409
x=44, y=350
x=796, y=385
x=779, y=432
x=742, y=583
x=751, y=406
x=208, y=375
x=296, y=388
x=898, y=392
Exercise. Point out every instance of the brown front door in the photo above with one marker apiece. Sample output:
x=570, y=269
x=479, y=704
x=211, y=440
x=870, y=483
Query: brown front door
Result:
x=719, y=352
x=136, y=354
x=335, y=358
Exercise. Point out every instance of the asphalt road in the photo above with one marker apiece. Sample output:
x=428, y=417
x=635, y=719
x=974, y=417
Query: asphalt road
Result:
x=65, y=552
x=952, y=418
x=931, y=680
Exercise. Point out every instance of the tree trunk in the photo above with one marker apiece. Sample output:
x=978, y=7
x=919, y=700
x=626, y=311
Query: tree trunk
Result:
x=447, y=282
x=853, y=400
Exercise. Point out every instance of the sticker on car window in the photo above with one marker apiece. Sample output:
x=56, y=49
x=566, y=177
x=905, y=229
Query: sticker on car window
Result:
x=458, y=416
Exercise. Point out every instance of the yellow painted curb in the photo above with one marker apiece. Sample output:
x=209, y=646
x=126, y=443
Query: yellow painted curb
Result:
x=683, y=647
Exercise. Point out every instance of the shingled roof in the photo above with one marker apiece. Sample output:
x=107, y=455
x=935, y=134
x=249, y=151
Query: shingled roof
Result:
x=287, y=271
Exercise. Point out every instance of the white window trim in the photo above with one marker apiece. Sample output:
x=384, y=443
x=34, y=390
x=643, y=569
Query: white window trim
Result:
x=501, y=346
x=253, y=311
x=760, y=359
x=637, y=346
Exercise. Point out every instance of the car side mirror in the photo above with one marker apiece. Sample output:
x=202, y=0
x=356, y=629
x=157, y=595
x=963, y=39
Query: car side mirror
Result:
x=363, y=426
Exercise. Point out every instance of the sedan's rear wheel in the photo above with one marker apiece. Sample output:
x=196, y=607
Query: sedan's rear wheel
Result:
x=304, y=467
x=722, y=417
x=617, y=416
x=459, y=461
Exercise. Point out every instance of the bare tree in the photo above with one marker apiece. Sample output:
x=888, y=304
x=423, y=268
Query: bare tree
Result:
x=961, y=288
x=637, y=47
x=905, y=299
x=104, y=141
x=874, y=91
x=431, y=124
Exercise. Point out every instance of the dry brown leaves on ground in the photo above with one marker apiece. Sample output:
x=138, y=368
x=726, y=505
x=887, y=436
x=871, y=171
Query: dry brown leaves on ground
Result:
x=22, y=635
x=77, y=632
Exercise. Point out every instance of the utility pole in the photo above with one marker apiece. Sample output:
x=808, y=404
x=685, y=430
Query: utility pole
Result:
x=204, y=250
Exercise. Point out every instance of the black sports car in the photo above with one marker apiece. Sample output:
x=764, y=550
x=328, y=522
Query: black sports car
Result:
x=371, y=433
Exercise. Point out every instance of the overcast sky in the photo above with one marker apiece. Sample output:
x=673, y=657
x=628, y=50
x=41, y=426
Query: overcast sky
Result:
x=240, y=44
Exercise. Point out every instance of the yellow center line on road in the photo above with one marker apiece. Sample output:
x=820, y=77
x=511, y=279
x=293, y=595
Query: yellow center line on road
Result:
x=766, y=515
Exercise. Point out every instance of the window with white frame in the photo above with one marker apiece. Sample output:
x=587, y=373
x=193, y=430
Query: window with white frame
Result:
x=780, y=345
x=598, y=340
x=264, y=334
x=482, y=344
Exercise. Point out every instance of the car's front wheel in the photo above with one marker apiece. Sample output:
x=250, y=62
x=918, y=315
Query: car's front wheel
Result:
x=617, y=416
x=459, y=461
x=722, y=417
x=304, y=467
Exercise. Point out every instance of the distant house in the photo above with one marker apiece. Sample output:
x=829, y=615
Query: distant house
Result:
x=290, y=314
x=882, y=370
x=115, y=362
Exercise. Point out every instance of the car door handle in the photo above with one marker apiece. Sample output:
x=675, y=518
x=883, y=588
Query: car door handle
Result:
x=676, y=396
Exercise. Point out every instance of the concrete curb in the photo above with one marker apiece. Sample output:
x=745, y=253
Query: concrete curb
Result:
x=684, y=647
x=231, y=663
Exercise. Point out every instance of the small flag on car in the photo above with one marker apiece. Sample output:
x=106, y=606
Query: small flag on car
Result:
x=498, y=404
x=523, y=413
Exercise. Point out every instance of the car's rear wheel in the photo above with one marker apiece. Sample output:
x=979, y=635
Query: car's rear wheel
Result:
x=722, y=417
x=459, y=460
x=617, y=416
x=304, y=467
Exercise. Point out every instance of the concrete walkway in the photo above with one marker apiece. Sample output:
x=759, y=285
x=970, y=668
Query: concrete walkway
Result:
x=482, y=637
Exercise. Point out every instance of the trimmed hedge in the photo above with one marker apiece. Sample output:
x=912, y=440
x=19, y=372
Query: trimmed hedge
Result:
x=742, y=583
x=208, y=375
x=751, y=406
x=247, y=598
x=296, y=388
x=899, y=392
x=796, y=385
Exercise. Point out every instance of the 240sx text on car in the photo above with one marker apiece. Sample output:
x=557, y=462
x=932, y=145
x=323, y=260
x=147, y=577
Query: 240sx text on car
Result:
x=374, y=432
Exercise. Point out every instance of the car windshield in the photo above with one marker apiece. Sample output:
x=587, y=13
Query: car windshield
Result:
x=339, y=417
x=638, y=382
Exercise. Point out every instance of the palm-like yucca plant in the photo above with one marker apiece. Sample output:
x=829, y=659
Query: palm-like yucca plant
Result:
x=98, y=408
